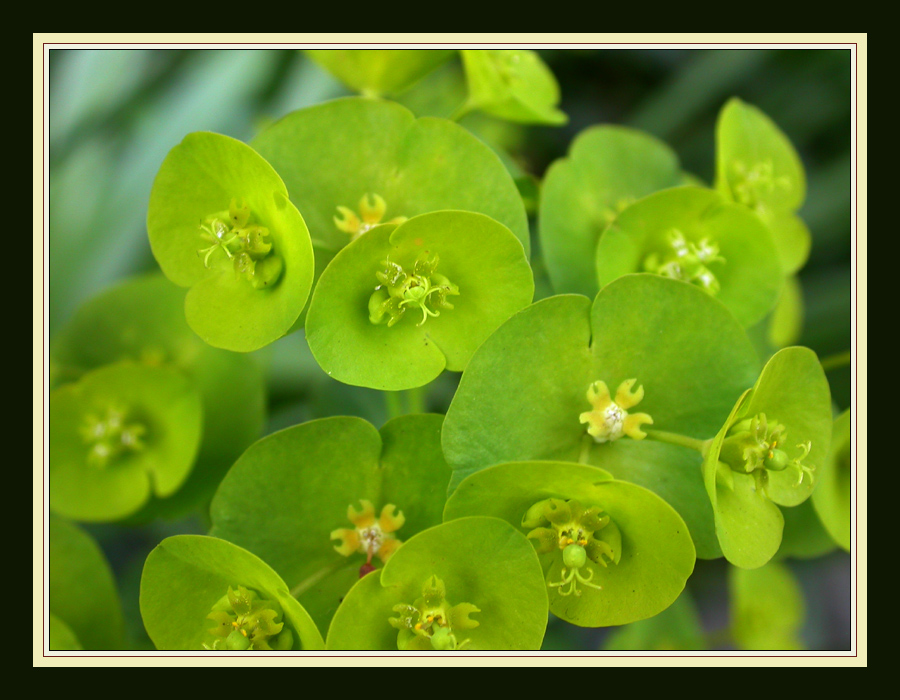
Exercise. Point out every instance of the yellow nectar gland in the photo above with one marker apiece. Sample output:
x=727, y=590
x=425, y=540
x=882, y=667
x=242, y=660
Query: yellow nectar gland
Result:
x=431, y=622
x=245, y=622
x=610, y=419
x=370, y=536
x=372, y=209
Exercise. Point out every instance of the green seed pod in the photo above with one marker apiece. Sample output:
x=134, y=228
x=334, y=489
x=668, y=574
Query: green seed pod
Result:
x=574, y=556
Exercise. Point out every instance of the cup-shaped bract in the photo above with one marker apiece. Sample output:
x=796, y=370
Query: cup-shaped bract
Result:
x=119, y=435
x=512, y=84
x=401, y=304
x=220, y=222
x=142, y=320
x=612, y=552
x=473, y=584
x=324, y=501
x=767, y=609
x=694, y=235
x=832, y=497
x=380, y=164
x=379, y=71
x=203, y=593
x=757, y=166
x=82, y=592
x=607, y=168
x=526, y=391
x=769, y=453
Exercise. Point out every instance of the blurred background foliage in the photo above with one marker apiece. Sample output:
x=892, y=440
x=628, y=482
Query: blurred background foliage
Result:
x=114, y=114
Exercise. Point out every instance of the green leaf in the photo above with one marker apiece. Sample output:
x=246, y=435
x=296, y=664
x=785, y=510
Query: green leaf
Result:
x=607, y=168
x=121, y=434
x=767, y=608
x=142, y=320
x=832, y=497
x=677, y=628
x=187, y=575
x=512, y=84
x=379, y=148
x=694, y=235
x=202, y=183
x=290, y=491
x=757, y=166
x=379, y=71
x=525, y=389
x=82, y=592
x=477, y=256
x=482, y=562
x=61, y=637
x=651, y=545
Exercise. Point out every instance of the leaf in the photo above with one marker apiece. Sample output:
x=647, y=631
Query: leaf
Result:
x=290, y=491
x=832, y=497
x=201, y=181
x=186, y=575
x=61, y=637
x=607, y=168
x=379, y=71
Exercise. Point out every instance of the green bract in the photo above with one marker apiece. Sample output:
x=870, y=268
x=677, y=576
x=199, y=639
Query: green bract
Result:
x=767, y=608
x=832, y=497
x=204, y=593
x=527, y=387
x=296, y=496
x=379, y=164
x=677, y=628
x=768, y=453
x=400, y=304
x=120, y=434
x=693, y=235
x=220, y=223
x=804, y=535
x=612, y=552
x=379, y=71
x=82, y=593
x=786, y=321
x=471, y=584
x=608, y=167
x=142, y=320
x=757, y=166
x=512, y=84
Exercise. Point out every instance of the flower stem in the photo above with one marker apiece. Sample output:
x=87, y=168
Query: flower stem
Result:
x=836, y=361
x=313, y=579
x=676, y=439
x=393, y=403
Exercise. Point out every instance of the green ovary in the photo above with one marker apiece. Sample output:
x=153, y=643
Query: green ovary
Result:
x=569, y=527
x=431, y=622
x=246, y=245
x=111, y=435
x=399, y=290
x=245, y=622
x=756, y=445
x=687, y=261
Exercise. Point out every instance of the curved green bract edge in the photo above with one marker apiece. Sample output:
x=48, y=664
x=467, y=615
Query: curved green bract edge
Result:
x=685, y=348
x=746, y=138
x=288, y=492
x=82, y=590
x=61, y=637
x=832, y=496
x=159, y=398
x=750, y=277
x=199, y=178
x=657, y=555
x=142, y=320
x=477, y=254
x=482, y=561
x=607, y=167
x=512, y=84
x=767, y=608
x=677, y=628
x=786, y=321
x=379, y=71
x=186, y=575
x=379, y=147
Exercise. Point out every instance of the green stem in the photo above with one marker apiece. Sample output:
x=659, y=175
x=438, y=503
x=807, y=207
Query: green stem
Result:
x=313, y=579
x=416, y=400
x=676, y=439
x=394, y=405
x=586, y=442
x=836, y=361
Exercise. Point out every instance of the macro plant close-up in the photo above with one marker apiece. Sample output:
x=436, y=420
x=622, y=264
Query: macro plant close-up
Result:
x=450, y=351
